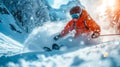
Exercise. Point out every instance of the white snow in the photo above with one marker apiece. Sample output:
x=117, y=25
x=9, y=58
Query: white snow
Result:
x=87, y=57
x=9, y=46
x=57, y=3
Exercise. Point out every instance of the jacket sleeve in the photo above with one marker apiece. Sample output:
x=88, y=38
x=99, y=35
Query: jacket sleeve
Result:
x=94, y=27
x=68, y=28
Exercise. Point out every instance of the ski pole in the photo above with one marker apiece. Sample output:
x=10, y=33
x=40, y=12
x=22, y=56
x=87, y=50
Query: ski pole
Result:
x=110, y=35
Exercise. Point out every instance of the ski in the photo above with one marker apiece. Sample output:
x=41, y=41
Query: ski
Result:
x=47, y=49
x=55, y=46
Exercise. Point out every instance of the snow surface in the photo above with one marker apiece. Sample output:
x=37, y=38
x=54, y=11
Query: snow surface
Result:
x=9, y=46
x=105, y=54
x=101, y=55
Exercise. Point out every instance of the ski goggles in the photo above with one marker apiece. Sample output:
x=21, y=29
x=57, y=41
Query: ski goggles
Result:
x=75, y=16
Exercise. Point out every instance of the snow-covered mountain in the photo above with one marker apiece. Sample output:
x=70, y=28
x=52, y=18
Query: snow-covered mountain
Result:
x=28, y=13
x=8, y=25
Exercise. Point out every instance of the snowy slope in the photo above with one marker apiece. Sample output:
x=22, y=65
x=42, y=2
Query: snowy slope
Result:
x=102, y=55
x=9, y=27
x=9, y=46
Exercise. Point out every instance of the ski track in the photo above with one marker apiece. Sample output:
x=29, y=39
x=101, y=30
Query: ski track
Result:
x=9, y=46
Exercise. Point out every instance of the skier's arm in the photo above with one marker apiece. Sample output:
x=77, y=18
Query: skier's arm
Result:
x=94, y=27
x=68, y=28
x=96, y=30
x=65, y=31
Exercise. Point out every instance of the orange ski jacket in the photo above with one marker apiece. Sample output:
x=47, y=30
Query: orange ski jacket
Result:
x=84, y=24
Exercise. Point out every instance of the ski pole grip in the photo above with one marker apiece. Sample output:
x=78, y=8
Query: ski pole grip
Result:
x=95, y=35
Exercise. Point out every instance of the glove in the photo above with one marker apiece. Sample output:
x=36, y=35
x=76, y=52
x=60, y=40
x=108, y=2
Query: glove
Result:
x=56, y=37
x=95, y=35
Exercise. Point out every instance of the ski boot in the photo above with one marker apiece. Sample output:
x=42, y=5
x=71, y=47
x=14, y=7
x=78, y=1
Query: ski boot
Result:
x=55, y=47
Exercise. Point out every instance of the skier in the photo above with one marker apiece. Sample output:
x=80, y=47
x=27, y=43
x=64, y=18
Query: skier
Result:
x=82, y=23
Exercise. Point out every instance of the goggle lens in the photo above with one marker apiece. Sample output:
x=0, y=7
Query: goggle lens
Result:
x=75, y=16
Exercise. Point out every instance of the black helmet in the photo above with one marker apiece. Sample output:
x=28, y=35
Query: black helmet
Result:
x=75, y=9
